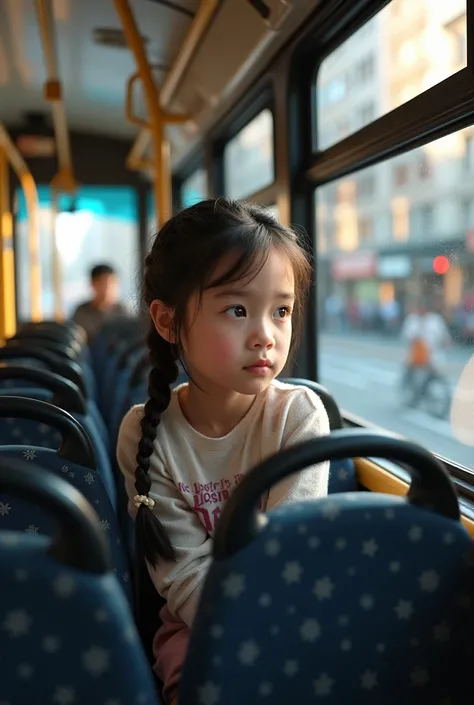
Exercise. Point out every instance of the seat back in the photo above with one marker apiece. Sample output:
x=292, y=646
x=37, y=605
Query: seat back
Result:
x=67, y=629
x=124, y=352
x=73, y=461
x=68, y=395
x=63, y=394
x=358, y=597
x=342, y=473
x=23, y=354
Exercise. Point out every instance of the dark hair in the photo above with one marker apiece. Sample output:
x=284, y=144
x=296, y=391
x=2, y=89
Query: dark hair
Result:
x=99, y=270
x=181, y=263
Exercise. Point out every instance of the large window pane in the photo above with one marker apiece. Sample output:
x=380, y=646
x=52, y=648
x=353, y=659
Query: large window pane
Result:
x=394, y=238
x=194, y=188
x=248, y=158
x=405, y=49
x=97, y=226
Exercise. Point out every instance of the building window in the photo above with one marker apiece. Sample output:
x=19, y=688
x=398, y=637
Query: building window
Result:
x=400, y=218
x=421, y=222
x=366, y=229
x=469, y=154
x=401, y=174
x=425, y=168
x=364, y=70
x=365, y=114
x=365, y=186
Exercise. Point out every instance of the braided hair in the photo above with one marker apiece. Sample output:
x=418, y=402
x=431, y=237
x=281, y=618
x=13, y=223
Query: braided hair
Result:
x=162, y=375
x=181, y=263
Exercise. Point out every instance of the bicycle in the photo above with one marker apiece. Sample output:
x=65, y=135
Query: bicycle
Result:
x=425, y=387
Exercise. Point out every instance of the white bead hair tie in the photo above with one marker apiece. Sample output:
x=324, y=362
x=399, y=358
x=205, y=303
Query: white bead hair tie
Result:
x=143, y=499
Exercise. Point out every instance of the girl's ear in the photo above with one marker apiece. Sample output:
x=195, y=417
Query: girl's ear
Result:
x=163, y=319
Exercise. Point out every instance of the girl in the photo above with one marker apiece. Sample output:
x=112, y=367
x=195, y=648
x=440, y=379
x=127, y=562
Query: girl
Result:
x=224, y=284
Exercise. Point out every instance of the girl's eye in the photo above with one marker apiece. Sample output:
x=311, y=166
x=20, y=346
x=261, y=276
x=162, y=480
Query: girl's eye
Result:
x=236, y=311
x=283, y=312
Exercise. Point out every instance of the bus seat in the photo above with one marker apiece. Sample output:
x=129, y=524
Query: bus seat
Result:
x=63, y=394
x=22, y=355
x=342, y=473
x=67, y=630
x=75, y=462
x=120, y=394
x=60, y=352
x=8, y=383
x=118, y=371
x=357, y=597
x=107, y=339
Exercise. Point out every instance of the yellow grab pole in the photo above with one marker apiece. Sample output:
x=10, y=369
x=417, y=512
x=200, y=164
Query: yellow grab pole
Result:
x=32, y=207
x=161, y=189
x=197, y=30
x=53, y=94
x=56, y=261
x=7, y=263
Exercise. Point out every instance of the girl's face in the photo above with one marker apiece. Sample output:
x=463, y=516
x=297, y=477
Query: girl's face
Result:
x=238, y=335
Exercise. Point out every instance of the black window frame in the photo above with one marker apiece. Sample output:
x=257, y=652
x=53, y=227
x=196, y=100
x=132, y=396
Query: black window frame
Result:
x=260, y=99
x=443, y=109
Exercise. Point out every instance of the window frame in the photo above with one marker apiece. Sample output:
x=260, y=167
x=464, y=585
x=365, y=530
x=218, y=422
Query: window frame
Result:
x=193, y=163
x=441, y=110
x=258, y=101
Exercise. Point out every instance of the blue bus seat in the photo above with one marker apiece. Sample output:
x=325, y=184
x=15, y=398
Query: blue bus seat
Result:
x=357, y=597
x=74, y=461
x=30, y=432
x=67, y=630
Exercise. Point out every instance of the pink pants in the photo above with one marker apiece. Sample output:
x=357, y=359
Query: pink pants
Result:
x=169, y=647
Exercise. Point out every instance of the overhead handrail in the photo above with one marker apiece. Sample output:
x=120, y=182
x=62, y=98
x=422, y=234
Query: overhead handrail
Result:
x=28, y=185
x=64, y=179
x=55, y=259
x=156, y=117
x=135, y=159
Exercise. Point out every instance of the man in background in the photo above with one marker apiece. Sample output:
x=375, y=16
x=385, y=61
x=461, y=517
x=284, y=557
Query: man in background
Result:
x=104, y=305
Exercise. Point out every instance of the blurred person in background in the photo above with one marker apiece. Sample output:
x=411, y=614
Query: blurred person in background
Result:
x=104, y=304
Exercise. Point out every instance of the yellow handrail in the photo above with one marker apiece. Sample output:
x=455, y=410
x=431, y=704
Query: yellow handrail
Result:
x=7, y=262
x=134, y=40
x=195, y=33
x=64, y=180
x=32, y=206
x=56, y=260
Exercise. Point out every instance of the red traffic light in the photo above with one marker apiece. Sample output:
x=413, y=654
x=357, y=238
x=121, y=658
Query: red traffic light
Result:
x=440, y=264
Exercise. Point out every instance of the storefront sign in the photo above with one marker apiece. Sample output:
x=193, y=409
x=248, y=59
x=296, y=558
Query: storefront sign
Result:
x=394, y=267
x=359, y=265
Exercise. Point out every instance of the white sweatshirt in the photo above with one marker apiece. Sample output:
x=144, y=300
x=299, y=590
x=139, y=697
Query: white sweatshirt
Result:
x=192, y=476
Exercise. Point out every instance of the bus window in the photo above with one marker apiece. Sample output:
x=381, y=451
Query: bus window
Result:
x=97, y=225
x=194, y=188
x=248, y=158
x=402, y=51
x=395, y=240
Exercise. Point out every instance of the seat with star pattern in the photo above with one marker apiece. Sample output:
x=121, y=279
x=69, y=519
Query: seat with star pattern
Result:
x=68, y=634
x=73, y=461
x=355, y=597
